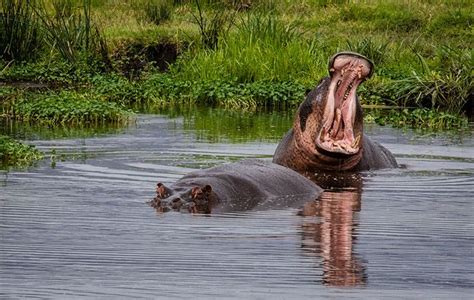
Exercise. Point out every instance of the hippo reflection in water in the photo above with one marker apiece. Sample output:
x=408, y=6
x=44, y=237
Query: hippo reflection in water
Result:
x=331, y=237
x=245, y=185
x=327, y=133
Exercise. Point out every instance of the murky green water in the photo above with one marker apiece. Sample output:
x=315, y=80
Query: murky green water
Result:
x=82, y=229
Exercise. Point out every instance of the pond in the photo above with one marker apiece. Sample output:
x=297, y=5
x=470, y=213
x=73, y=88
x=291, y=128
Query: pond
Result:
x=78, y=225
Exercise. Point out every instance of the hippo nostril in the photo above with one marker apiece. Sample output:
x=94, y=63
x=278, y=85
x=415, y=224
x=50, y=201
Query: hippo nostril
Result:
x=176, y=200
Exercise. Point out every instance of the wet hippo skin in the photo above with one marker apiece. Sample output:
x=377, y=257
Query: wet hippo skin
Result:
x=327, y=133
x=245, y=185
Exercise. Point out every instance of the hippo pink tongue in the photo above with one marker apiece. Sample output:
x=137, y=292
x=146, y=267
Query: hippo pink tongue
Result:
x=337, y=134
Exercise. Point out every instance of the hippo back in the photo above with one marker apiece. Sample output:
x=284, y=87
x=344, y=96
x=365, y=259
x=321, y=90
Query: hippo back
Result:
x=253, y=183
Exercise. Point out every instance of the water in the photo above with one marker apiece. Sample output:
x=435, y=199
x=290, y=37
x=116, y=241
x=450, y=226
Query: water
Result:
x=82, y=229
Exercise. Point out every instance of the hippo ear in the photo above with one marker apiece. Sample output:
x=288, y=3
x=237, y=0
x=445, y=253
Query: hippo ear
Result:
x=207, y=189
x=201, y=191
x=162, y=191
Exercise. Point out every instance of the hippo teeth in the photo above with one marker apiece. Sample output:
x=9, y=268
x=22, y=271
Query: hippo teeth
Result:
x=337, y=134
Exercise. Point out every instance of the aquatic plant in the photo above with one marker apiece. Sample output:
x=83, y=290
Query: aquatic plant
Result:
x=57, y=72
x=16, y=154
x=68, y=107
x=231, y=94
x=420, y=118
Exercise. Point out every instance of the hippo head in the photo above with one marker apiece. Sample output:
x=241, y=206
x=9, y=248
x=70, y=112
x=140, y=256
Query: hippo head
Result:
x=197, y=199
x=330, y=122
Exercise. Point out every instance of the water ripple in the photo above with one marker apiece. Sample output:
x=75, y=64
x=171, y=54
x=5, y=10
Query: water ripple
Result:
x=83, y=230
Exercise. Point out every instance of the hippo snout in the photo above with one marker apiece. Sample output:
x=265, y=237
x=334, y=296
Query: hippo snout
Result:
x=174, y=204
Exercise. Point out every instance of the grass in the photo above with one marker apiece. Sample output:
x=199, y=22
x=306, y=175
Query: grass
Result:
x=447, y=86
x=157, y=11
x=16, y=154
x=262, y=48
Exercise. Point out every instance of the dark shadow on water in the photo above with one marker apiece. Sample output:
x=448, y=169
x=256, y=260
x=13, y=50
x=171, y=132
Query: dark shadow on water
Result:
x=329, y=232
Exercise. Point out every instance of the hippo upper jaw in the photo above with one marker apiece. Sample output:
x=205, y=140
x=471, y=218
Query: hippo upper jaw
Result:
x=341, y=125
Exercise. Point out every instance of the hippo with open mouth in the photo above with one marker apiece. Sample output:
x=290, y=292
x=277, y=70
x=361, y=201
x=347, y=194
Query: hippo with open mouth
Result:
x=245, y=185
x=327, y=133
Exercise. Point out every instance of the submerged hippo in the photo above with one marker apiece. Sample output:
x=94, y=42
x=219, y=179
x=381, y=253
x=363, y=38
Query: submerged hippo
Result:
x=327, y=133
x=237, y=186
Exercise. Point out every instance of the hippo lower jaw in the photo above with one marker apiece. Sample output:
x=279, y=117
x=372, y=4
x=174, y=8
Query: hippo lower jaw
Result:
x=339, y=133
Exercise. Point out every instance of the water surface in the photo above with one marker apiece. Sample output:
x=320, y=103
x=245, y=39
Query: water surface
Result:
x=82, y=228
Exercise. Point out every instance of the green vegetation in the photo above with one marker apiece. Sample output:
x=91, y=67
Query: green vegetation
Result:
x=20, y=30
x=157, y=11
x=13, y=153
x=66, y=107
x=422, y=50
x=111, y=55
x=419, y=118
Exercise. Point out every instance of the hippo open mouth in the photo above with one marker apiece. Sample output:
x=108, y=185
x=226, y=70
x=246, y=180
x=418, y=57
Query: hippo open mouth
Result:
x=341, y=132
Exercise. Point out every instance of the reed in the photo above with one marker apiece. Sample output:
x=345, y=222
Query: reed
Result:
x=20, y=37
x=212, y=24
x=71, y=31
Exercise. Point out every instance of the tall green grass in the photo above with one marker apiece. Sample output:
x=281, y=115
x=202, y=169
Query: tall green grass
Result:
x=446, y=85
x=20, y=37
x=70, y=30
x=213, y=24
x=261, y=48
x=156, y=11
